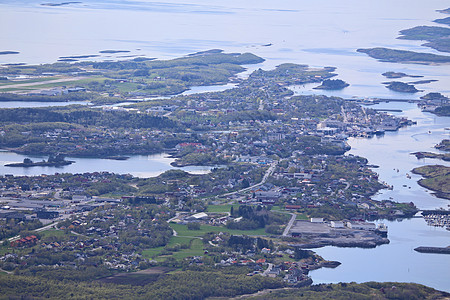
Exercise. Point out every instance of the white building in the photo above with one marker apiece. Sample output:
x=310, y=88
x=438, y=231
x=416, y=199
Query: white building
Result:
x=337, y=224
x=361, y=225
x=316, y=220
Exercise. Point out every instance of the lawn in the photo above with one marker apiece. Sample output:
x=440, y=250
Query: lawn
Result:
x=221, y=208
x=173, y=241
x=302, y=217
x=183, y=231
x=186, y=236
x=52, y=232
x=196, y=249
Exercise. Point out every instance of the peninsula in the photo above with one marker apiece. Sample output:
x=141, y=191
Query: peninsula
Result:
x=403, y=56
x=436, y=178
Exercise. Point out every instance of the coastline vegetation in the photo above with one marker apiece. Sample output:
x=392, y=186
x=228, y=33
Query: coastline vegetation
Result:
x=403, y=56
x=257, y=120
x=332, y=84
x=401, y=87
x=436, y=178
x=438, y=37
x=136, y=78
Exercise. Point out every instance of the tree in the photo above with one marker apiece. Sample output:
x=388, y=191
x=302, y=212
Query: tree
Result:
x=193, y=226
x=27, y=161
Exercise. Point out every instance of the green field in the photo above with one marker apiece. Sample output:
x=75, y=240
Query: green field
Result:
x=69, y=83
x=302, y=217
x=52, y=232
x=173, y=241
x=183, y=231
x=221, y=208
x=186, y=236
x=196, y=249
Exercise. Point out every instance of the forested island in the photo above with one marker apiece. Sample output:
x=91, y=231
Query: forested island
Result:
x=53, y=161
x=394, y=75
x=404, y=56
x=437, y=178
x=437, y=37
x=401, y=87
x=332, y=84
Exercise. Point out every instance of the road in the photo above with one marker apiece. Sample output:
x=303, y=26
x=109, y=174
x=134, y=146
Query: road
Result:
x=19, y=85
x=15, y=238
x=269, y=268
x=266, y=176
x=289, y=225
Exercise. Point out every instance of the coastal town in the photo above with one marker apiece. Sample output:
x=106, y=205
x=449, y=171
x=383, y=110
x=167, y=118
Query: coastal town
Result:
x=280, y=181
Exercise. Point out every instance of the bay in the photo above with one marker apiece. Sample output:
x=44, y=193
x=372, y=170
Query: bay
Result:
x=398, y=261
x=143, y=166
x=317, y=33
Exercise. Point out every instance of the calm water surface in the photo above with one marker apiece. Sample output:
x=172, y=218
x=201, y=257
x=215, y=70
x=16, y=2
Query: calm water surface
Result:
x=398, y=261
x=318, y=33
x=137, y=165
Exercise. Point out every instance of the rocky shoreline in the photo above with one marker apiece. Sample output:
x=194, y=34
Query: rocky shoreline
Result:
x=437, y=250
x=41, y=164
x=345, y=243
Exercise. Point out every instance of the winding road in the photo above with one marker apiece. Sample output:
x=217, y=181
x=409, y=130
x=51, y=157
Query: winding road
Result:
x=266, y=176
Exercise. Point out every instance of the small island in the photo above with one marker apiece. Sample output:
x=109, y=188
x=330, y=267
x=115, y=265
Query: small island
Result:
x=436, y=178
x=436, y=36
x=438, y=250
x=419, y=155
x=395, y=75
x=444, y=11
x=8, y=52
x=53, y=161
x=444, y=145
x=434, y=96
x=445, y=21
x=60, y=4
x=117, y=157
x=332, y=84
x=401, y=87
x=114, y=51
x=403, y=56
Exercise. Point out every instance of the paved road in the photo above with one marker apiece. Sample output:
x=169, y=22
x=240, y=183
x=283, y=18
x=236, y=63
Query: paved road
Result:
x=266, y=176
x=15, y=238
x=18, y=85
x=289, y=225
x=269, y=268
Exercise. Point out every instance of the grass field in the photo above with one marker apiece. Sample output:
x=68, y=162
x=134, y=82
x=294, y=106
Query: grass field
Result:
x=173, y=241
x=183, y=231
x=186, y=236
x=196, y=249
x=301, y=217
x=51, y=232
x=221, y=208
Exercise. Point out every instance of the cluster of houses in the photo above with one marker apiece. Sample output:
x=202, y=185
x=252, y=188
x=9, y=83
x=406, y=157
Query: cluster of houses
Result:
x=28, y=241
